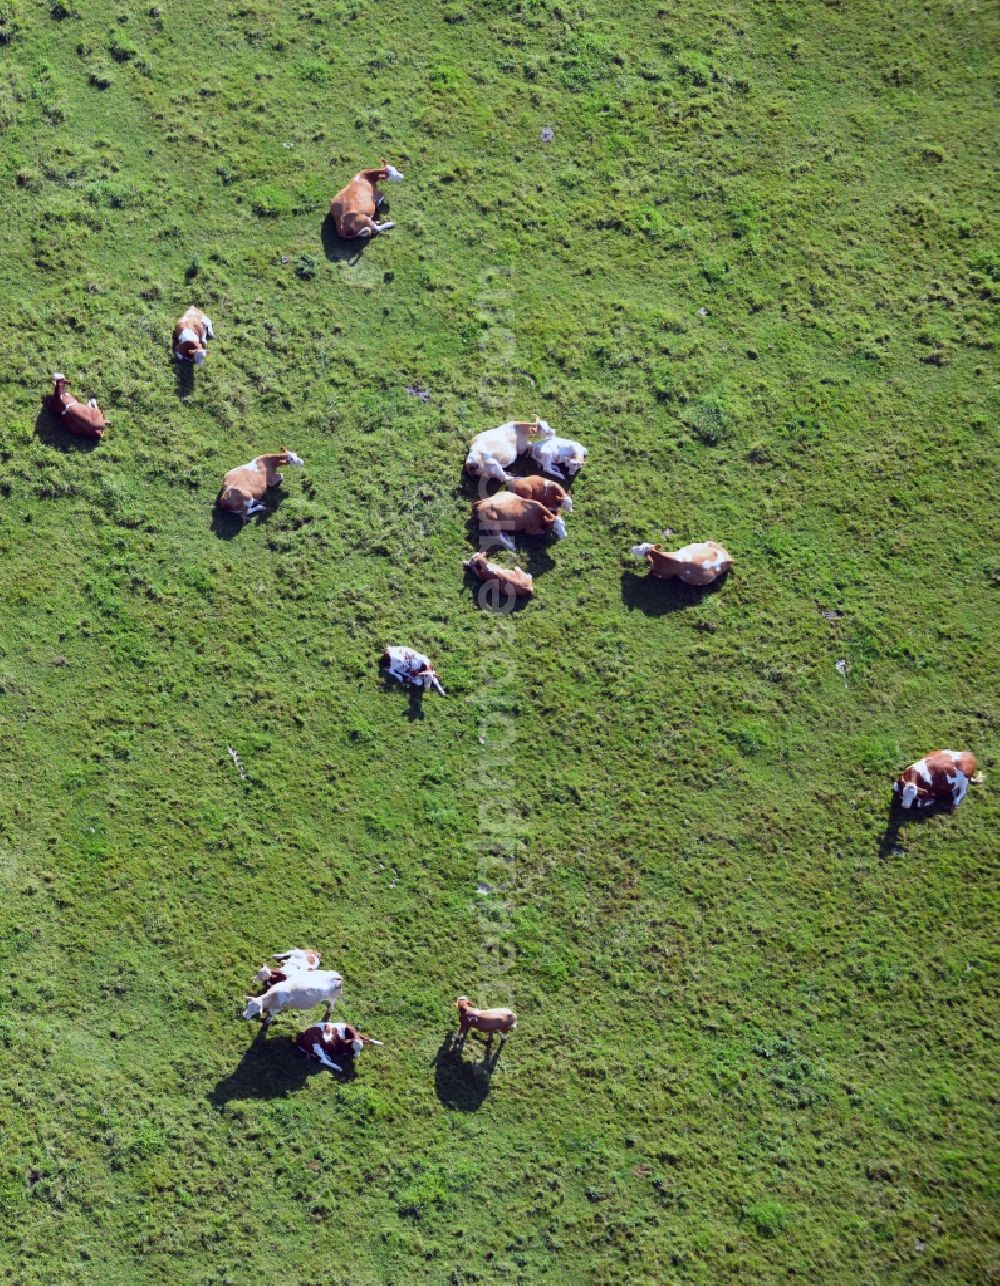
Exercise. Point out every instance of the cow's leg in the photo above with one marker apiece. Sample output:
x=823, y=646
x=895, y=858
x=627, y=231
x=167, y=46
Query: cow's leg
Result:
x=327, y=1062
x=255, y=508
x=556, y=472
x=329, y=1011
x=384, y=227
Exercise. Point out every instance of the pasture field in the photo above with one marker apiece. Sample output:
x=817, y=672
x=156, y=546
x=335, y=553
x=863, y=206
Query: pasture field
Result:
x=754, y=270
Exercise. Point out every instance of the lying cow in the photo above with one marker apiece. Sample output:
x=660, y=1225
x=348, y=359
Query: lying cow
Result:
x=191, y=335
x=942, y=777
x=83, y=419
x=493, y=452
x=506, y=512
x=299, y=960
x=243, y=488
x=333, y=1044
x=554, y=454
x=697, y=564
x=484, y=1020
x=511, y=580
x=300, y=991
x=354, y=207
x=408, y=666
x=548, y=493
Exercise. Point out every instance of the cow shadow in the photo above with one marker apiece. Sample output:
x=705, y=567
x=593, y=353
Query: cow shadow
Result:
x=336, y=249
x=184, y=375
x=656, y=597
x=891, y=843
x=49, y=430
x=462, y=1085
x=415, y=696
x=268, y=1069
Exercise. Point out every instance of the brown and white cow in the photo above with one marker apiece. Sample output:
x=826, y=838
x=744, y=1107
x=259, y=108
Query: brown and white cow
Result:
x=484, y=1020
x=333, y=1044
x=298, y=960
x=407, y=665
x=243, y=488
x=511, y=581
x=942, y=778
x=505, y=512
x=83, y=419
x=548, y=493
x=697, y=564
x=354, y=207
x=191, y=335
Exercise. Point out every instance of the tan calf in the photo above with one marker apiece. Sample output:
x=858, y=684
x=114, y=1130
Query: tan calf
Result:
x=548, y=493
x=511, y=580
x=484, y=1020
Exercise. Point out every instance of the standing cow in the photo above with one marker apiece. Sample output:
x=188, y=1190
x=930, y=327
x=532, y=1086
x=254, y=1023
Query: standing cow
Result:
x=191, y=335
x=548, y=493
x=354, y=207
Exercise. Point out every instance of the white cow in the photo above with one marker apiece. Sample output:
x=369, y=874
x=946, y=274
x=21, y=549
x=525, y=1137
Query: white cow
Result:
x=298, y=960
x=300, y=991
x=553, y=454
x=492, y=452
x=406, y=665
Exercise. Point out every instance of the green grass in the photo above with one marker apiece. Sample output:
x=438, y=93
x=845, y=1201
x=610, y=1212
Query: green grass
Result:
x=755, y=273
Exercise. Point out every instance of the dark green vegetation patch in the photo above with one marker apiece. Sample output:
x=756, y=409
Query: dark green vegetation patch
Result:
x=753, y=269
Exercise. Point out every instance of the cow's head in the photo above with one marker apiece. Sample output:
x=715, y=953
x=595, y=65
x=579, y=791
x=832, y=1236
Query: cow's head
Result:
x=263, y=974
x=289, y=457
x=558, y=529
x=462, y=1003
x=254, y=1008
x=640, y=551
x=543, y=429
x=189, y=347
x=908, y=791
x=391, y=173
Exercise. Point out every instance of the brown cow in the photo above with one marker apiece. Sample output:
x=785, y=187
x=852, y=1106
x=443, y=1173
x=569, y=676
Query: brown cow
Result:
x=506, y=512
x=484, y=1020
x=511, y=580
x=548, y=493
x=330, y=1042
x=191, y=335
x=354, y=207
x=243, y=488
x=83, y=419
x=697, y=564
x=942, y=777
